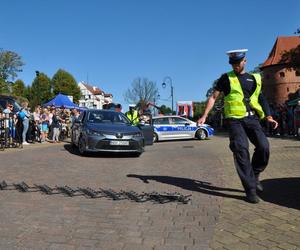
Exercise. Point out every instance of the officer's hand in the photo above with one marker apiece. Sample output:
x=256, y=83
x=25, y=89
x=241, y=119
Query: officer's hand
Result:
x=271, y=120
x=201, y=120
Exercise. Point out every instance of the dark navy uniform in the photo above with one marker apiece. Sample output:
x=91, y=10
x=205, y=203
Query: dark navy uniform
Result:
x=248, y=127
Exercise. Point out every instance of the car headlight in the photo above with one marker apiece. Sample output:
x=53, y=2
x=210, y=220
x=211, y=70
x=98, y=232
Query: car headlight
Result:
x=93, y=132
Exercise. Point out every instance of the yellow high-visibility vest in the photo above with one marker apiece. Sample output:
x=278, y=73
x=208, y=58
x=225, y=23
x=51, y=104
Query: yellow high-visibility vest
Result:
x=234, y=106
x=134, y=118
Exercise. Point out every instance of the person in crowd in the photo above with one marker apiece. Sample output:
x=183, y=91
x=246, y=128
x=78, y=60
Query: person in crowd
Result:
x=50, y=127
x=118, y=107
x=74, y=116
x=44, y=121
x=244, y=106
x=8, y=109
x=7, y=115
x=37, y=114
x=56, y=123
x=24, y=115
x=290, y=120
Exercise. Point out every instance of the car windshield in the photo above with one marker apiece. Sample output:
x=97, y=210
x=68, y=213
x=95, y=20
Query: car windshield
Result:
x=99, y=116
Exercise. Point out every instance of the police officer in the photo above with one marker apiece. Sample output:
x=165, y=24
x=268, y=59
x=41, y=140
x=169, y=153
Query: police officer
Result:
x=132, y=115
x=244, y=107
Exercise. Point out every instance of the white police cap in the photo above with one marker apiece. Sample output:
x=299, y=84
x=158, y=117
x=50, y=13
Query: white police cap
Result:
x=235, y=56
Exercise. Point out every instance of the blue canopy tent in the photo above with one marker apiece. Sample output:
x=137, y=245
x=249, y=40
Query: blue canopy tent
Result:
x=61, y=101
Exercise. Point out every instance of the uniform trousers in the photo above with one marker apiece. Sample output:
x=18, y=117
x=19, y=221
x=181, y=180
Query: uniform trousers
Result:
x=240, y=130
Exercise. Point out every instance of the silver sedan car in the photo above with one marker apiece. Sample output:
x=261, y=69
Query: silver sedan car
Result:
x=106, y=131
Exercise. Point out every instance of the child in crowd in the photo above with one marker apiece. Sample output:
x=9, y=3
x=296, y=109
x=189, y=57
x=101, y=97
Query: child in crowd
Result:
x=44, y=119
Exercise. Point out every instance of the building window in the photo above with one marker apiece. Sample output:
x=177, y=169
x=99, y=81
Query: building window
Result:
x=281, y=74
x=297, y=73
x=288, y=89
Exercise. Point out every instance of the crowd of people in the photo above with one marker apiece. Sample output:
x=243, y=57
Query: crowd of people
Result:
x=44, y=124
x=287, y=117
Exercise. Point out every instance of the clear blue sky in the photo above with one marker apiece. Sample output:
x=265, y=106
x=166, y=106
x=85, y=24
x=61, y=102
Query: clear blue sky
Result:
x=112, y=42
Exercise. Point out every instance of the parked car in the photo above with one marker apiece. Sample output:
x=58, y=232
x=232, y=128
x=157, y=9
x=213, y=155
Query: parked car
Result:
x=174, y=127
x=4, y=99
x=106, y=131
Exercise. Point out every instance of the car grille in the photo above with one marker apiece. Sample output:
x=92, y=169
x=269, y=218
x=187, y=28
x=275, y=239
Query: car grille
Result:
x=133, y=145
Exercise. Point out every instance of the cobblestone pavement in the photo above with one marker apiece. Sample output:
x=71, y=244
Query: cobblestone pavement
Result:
x=37, y=221
x=216, y=218
x=274, y=223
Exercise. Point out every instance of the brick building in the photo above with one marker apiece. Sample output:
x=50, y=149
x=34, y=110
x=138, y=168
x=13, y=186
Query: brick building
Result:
x=279, y=81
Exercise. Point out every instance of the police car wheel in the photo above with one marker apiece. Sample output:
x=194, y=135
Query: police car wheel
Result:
x=155, y=137
x=201, y=134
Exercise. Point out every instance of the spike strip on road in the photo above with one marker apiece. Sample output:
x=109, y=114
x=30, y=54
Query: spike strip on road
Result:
x=156, y=197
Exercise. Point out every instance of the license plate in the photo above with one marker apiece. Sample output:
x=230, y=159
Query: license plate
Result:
x=119, y=143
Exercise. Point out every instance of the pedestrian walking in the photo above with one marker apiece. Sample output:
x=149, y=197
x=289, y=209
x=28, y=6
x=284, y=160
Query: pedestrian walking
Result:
x=244, y=107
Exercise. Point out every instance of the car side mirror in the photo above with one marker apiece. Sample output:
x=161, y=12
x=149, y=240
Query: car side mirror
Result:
x=186, y=124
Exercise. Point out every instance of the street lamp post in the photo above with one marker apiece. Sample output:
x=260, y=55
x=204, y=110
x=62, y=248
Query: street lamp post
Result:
x=164, y=84
x=154, y=102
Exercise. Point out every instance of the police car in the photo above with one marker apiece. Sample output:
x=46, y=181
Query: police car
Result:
x=175, y=127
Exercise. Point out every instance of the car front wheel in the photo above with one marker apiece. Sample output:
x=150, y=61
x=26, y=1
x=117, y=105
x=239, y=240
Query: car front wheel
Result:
x=82, y=146
x=201, y=134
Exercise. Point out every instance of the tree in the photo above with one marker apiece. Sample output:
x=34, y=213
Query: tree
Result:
x=10, y=64
x=18, y=88
x=142, y=91
x=211, y=90
x=4, y=87
x=292, y=58
x=199, y=108
x=40, y=90
x=165, y=110
x=64, y=83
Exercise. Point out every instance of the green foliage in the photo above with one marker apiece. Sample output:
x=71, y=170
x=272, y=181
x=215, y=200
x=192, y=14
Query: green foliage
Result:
x=27, y=92
x=142, y=91
x=199, y=108
x=10, y=64
x=18, y=88
x=4, y=87
x=211, y=90
x=292, y=58
x=64, y=83
x=40, y=90
x=165, y=110
x=219, y=103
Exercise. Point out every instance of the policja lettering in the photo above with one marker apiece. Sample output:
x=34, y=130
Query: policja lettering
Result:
x=244, y=105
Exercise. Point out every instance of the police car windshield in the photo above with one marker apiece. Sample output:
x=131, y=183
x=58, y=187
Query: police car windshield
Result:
x=99, y=116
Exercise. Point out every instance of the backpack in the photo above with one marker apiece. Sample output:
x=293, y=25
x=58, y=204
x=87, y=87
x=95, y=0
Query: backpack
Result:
x=21, y=115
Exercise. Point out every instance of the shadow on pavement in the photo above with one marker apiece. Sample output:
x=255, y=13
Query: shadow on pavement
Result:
x=192, y=185
x=282, y=191
x=73, y=150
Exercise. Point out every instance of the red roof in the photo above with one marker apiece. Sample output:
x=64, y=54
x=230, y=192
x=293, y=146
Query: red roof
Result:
x=282, y=44
x=93, y=90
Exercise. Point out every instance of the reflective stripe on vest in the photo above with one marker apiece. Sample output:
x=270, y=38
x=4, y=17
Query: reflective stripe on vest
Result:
x=234, y=106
